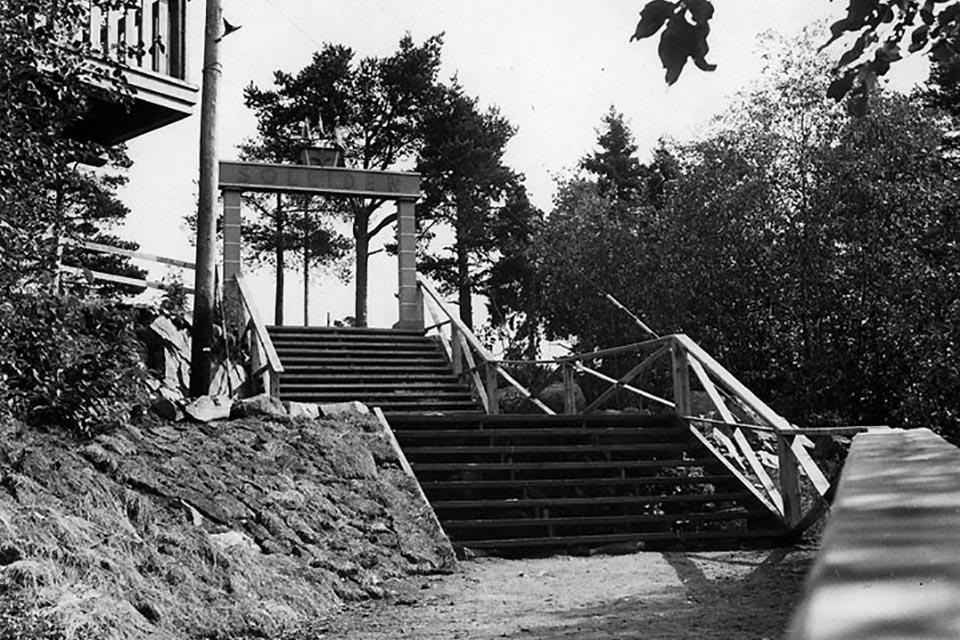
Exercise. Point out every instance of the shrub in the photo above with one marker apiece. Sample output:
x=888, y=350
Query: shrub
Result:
x=69, y=362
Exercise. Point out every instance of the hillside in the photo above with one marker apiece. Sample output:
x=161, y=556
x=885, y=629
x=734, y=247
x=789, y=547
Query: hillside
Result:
x=234, y=529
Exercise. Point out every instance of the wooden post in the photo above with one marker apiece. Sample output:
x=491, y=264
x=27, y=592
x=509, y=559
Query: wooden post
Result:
x=204, y=294
x=456, y=350
x=789, y=480
x=681, y=380
x=493, y=396
x=569, y=397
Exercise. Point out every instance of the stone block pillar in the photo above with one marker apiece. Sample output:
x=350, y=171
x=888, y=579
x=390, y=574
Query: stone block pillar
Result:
x=231, y=255
x=411, y=306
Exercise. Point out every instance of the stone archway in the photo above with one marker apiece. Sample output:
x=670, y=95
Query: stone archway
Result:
x=402, y=188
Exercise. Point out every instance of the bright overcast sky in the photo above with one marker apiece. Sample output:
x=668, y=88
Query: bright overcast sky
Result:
x=554, y=67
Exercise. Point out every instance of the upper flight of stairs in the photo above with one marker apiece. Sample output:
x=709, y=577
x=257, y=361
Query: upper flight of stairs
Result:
x=398, y=371
x=516, y=484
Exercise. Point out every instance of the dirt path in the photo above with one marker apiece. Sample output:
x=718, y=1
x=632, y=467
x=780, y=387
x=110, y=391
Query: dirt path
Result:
x=736, y=595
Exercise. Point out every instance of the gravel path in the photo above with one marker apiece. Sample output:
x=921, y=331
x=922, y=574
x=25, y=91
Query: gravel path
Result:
x=736, y=595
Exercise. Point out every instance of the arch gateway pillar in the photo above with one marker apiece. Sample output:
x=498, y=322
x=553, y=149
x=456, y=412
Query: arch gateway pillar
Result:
x=402, y=188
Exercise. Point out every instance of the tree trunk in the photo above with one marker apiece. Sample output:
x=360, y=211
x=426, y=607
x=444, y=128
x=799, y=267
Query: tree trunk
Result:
x=464, y=290
x=361, y=222
x=281, y=263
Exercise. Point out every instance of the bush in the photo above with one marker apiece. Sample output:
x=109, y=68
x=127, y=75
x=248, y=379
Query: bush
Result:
x=69, y=362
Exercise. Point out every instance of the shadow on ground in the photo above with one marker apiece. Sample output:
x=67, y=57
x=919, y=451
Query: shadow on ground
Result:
x=717, y=601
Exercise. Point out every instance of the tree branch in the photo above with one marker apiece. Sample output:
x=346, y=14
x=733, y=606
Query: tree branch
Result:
x=390, y=219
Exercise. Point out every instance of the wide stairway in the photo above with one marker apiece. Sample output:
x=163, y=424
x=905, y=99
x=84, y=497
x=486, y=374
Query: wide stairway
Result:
x=398, y=371
x=522, y=484
x=517, y=484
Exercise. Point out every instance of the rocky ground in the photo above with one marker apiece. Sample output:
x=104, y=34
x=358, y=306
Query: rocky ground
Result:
x=734, y=595
x=233, y=529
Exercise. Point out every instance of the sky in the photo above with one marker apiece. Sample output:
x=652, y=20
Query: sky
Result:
x=553, y=67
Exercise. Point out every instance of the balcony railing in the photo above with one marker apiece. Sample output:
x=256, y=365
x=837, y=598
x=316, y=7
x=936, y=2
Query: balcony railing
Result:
x=148, y=39
x=149, y=35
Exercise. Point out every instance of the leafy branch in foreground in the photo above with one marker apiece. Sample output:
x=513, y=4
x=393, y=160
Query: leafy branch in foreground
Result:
x=880, y=27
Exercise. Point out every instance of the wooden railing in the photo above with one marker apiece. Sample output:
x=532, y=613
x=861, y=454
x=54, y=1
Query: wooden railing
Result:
x=101, y=276
x=265, y=367
x=149, y=35
x=469, y=357
x=771, y=457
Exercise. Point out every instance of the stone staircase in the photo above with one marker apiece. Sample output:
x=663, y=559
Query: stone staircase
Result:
x=398, y=371
x=516, y=484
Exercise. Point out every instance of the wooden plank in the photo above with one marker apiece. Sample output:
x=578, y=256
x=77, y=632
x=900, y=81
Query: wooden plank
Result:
x=728, y=418
x=681, y=379
x=526, y=393
x=139, y=255
x=789, y=481
x=569, y=397
x=514, y=503
x=645, y=364
x=820, y=482
x=711, y=390
x=635, y=346
x=438, y=325
x=626, y=387
x=732, y=384
x=764, y=500
x=738, y=436
x=478, y=381
x=481, y=350
x=495, y=523
x=758, y=469
x=260, y=328
x=109, y=277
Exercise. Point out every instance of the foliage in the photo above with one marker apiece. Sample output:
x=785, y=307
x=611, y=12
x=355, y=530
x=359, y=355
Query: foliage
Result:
x=69, y=362
x=44, y=87
x=372, y=107
x=617, y=169
x=682, y=38
x=880, y=27
x=599, y=240
x=812, y=252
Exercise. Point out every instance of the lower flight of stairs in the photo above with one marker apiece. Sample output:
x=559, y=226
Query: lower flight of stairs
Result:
x=398, y=371
x=520, y=484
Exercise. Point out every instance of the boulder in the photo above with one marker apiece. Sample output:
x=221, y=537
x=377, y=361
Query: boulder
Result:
x=302, y=410
x=553, y=397
x=261, y=406
x=354, y=408
x=208, y=408
x=168, y=409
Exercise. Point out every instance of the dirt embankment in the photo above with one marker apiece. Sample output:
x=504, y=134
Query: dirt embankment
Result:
x=244, y=528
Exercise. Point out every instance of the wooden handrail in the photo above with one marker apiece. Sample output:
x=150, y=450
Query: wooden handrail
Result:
x=110, y=277
x=635, y=346
x=718, y=371
x=472, y=340
x=259, y=328
x=117, y=251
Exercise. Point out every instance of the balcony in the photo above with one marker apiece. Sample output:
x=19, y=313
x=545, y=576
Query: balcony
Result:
x=149, y=40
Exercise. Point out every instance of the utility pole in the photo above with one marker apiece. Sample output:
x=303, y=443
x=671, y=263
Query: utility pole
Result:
x=204, y=284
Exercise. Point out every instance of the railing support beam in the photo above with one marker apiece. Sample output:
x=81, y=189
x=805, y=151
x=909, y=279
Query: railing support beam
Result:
x=789, y=480
x=681, y=380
